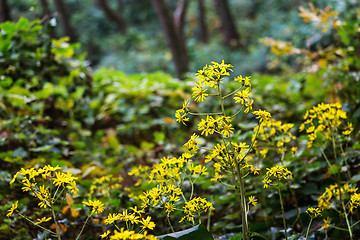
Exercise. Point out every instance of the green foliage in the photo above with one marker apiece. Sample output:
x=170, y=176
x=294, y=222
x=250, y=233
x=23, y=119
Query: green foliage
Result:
x=53, y=110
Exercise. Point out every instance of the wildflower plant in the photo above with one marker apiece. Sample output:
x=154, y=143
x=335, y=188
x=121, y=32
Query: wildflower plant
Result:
x=228, y=157
x=48, y=185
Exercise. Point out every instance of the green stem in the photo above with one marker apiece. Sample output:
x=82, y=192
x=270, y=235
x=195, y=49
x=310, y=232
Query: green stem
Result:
x=346, y=216
x=167, y=218
x=339, y=228
x=239, y=111
x=293, y=196
x=56, y=224
x=282, y=211
x=82, y=229
x=326, y=159
x=355, y=223
x=204, y=114
x=227, y=95
x=47, y=230
x=308, y=229
x=241, y=193
x=192, y=190
x=208, y=221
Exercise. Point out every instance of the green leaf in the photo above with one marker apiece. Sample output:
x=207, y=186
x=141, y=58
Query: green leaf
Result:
x=20, y=152
x=198, y=232
x=238, y=236
x=333, y=169
x=44, y=148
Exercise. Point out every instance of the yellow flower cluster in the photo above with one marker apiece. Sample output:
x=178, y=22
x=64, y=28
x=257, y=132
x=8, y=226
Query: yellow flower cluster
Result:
x=334, y=191
x=42, y=220
x=314, y=212
x=131, y=217
x=324, y=118
x=97, y=206
x=162, y=196
x=14, y=206
x=104, y=185
x=126, y=234
x=192, y=144
x=277, y=172
x=196, y=206
x=221, y=125
x=140, y=171
x=225, y=158
x=324, y=18
x=211, y=76
x=37, y=181
x=279, y=47
x=270, y=134
x=262, y=115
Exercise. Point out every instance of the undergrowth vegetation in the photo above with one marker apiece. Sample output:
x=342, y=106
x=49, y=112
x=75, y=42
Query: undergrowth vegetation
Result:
x=108, y=155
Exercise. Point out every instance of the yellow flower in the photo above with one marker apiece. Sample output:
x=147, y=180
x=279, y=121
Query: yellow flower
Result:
x=326, y=224
x=73, y=189
x=192, y=144
x=252, y=200
x=12, y=209
x=243, y=96
x=147, y=223
x=199, y=93
x=313, y=212
x=105, y=234
x=98, y=206
x=42, y=220
x=263, y=115
x=169, y=207
x=245, y=81
x=112, y=218
x=181, y=118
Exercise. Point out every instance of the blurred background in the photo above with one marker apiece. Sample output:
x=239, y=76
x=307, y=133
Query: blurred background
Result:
x=112, y=32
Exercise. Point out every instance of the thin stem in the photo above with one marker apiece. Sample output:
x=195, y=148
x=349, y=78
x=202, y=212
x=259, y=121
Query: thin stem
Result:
x=346, y=216
x=241, y=193
x=54, y=200
x=326, y=159
x=56, y=224
x=167, y=218
x=339, y=228
x=239, y=111
x=208, y=221
x=204, y=114
x=308, y=229
x=47, y=230
x=82, y=229
x=57, y=189
x=192, y=190
x=282, y=210
x=355, y=223
x=293, y=196
x=227, y=95
x=252, y=143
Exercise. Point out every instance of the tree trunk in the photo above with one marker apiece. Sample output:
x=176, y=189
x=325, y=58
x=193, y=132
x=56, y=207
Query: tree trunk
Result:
x=202, y=33
x=227, y=24
x=179, y=16
x=112, y=16
x=65, y=20
x=4, y=11
x=46, y=16
x=173, y=36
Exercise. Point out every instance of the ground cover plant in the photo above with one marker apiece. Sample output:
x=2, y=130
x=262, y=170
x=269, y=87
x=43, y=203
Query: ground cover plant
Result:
x=106, y=155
